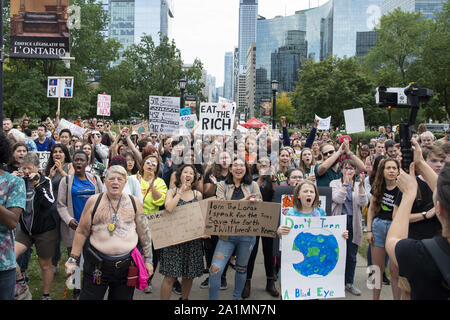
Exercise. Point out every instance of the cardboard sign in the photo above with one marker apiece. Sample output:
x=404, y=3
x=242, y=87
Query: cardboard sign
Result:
x=183, y=224
x=60, y=87
x=44, y=156
x=354, y=120
x=242, y=218
x=103, y=105
x=141, y=128
x=313, y=258
x=76, y=130
x=164, y=114
x=217, y=118
x=324, y=124
x=187, y=123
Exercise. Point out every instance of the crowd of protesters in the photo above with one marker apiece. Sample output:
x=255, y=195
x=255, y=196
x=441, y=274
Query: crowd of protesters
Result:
x=97, y=191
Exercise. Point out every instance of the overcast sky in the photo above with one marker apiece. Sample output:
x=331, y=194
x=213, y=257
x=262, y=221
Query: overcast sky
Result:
x=206, y=29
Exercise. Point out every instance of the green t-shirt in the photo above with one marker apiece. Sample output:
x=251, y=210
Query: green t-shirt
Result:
x=325, y=179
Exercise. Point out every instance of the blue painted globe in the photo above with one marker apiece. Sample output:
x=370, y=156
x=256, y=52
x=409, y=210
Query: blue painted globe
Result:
x=320, y=252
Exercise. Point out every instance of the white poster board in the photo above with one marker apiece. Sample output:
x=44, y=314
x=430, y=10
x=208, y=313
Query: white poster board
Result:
x=217, y=118
x=44, y=156
x=104, y=105
x=164, y=115
x=60, y=87
x=324, y=124
x=187, y=123
x=76, y=130
x=354, y=120
x=313, y=258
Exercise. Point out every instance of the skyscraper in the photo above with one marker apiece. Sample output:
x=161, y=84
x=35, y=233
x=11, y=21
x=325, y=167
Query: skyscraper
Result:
x=130, y=20
x=248, y=15
x=428, y=8
x=228, y=76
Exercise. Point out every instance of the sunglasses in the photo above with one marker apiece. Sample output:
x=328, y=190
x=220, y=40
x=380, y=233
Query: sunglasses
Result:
x=328, y=153
x=151, y=163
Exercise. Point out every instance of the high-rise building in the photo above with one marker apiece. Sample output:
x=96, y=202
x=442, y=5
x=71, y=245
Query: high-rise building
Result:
x=248, y=15
x=365, y=41
x=235, y=74
x=250, y=76
x=228, y=76
x=130, y=20
x=428, y=8
x=241, y=99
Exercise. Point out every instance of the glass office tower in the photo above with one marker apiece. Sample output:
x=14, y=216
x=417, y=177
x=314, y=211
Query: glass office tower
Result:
x=428, y=8
x=248, y=14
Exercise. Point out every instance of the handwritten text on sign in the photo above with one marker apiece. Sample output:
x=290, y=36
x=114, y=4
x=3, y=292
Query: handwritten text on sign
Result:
x=103, y=105
x=242, y=218
x=217, y=119
x=183, y=224
x=164, y=115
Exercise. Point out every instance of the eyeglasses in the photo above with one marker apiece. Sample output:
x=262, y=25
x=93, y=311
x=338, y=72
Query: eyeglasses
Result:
x=329, y=153
x=151, y=163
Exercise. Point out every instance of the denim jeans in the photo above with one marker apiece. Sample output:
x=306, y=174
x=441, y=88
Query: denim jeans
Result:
x=7, y=284
x=352, y=251
x=222, y=253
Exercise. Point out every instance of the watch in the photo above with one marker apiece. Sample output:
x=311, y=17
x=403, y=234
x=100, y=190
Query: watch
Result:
x=424, y=215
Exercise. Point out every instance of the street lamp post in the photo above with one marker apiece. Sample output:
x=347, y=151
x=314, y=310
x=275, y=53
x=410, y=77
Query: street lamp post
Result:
x=274, y=104
x=182, y=83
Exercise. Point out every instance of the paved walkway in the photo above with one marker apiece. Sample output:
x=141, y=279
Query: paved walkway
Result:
x=259, y=284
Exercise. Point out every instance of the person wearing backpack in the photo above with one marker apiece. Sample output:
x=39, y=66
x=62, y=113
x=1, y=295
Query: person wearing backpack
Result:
x=425, y=263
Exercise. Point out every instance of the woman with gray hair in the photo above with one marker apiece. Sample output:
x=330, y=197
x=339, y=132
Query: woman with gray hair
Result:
x=110, y=227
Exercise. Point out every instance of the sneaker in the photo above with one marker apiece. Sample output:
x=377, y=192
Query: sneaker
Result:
x=46, y=298
x=148, y=289
x=25, y=277
x=205, y=284
x=223, y=284
x=352, y=289
x=177, y=287
x=22, y=292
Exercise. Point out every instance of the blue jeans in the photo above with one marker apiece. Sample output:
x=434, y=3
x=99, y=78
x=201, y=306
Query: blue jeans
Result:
x=352, y=251
x=7, y=284
x=222, y=253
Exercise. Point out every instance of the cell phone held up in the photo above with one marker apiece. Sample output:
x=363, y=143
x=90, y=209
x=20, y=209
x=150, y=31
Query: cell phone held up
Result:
x=406, y=146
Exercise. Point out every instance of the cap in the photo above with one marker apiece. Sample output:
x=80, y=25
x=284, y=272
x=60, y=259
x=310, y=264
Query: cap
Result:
x=134, y=133
x=95, y=132
x=341, y=139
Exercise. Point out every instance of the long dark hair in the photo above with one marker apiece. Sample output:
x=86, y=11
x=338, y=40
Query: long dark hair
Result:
x=178, y=175
x=136, y=165
x=247, y=179
x=51, y=162
x=379, y=185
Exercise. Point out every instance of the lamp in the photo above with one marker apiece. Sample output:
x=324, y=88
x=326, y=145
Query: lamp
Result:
x=274, y=104
x=182, y=84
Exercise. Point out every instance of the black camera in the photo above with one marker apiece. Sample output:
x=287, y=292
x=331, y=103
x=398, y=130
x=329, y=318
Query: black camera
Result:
x=409, y=97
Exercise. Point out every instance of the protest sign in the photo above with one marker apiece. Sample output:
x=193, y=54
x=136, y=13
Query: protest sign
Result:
x=60, y=87
x=354, y=120
x=103, y=105
x=313, y=258
x=141, y=128
x=187, y=123
x=164, y=115
x=76, y=130
x=324, y=124
x=183, y=224
x=217, y=118
x=242, y=218
x=190, y=102
x=43, y=159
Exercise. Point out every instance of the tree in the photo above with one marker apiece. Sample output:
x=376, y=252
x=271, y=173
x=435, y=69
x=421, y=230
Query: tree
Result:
x=285, y=108
x=329, y=87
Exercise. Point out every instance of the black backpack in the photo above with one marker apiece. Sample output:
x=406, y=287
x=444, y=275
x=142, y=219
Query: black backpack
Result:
x=99, y=198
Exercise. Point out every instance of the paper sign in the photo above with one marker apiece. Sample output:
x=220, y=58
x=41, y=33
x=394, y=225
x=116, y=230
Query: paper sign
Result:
x=76, y=130
x=354, y=120
x=104, y=105
x=183, y=224
x=313, y=258
x=242, y=218
x=324, y=124
x=187, y=123
x=60, y=87
x=217, y=118
x=43, y=159
x=164, y=114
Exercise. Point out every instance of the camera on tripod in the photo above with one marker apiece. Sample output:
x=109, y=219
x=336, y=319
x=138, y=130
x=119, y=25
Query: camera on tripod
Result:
x=409, y=97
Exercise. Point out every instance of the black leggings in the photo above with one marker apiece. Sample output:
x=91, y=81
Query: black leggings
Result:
x=267, y=244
